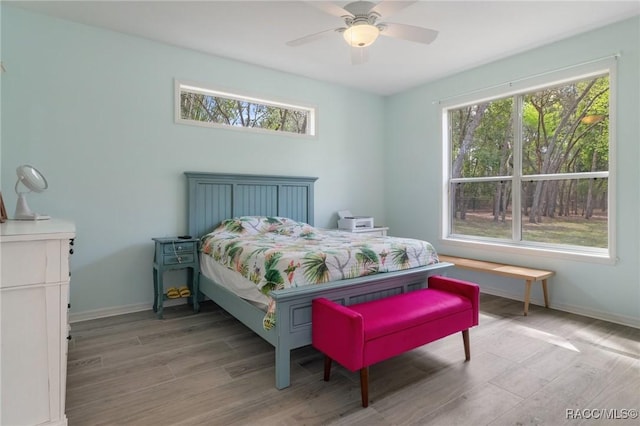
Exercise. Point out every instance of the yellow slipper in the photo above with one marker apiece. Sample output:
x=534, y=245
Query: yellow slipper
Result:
x=173, y=293
x=184, y=291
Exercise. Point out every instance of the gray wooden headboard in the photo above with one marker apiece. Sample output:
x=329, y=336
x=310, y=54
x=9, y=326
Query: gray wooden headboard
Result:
x=213, y=197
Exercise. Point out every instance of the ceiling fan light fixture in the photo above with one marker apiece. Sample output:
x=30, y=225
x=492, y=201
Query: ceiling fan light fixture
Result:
x=361, y=35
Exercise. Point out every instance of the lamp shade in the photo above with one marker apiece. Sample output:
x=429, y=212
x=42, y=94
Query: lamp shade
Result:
x=361, y=35
x=30, y=177
x=34, y=181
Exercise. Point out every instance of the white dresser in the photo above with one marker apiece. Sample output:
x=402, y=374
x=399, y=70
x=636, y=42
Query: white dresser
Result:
x=34, y=295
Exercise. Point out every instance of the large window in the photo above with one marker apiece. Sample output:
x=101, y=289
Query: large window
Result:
x=532, y=168
x=214, y=108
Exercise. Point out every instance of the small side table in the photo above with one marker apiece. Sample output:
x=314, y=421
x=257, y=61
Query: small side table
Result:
x=175, y=253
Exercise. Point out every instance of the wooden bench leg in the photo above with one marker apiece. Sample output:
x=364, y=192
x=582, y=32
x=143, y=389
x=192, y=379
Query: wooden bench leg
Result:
x=544, y=291
x=327, y=368
x=527, y=297
x=467, y=348
x=364, y=386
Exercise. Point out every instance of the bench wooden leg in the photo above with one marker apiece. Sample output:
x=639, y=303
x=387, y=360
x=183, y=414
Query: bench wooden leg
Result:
x=527, y=297
x=544, y=291
x=364, y=386
x=467, y=347
x=327, y=368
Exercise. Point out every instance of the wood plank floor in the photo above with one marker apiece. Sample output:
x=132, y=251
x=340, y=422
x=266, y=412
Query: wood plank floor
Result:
x=208, y=369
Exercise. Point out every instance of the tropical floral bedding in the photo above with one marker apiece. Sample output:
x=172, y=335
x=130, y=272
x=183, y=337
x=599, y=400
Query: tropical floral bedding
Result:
x=276, y=253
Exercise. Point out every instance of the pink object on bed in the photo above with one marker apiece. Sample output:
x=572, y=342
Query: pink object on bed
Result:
x=363, y=334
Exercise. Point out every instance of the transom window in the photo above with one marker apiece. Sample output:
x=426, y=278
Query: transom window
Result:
x=532, y=168
x=214, y=108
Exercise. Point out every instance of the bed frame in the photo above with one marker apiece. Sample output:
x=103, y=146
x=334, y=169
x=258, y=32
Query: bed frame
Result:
x=213, y=197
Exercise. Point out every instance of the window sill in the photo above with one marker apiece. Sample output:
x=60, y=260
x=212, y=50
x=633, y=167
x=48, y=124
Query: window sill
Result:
x=600, y=257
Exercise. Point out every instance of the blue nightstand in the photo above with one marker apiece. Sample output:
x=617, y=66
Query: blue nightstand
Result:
x=175, y=253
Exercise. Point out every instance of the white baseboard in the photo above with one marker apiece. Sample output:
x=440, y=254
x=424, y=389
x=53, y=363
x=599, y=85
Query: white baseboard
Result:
x=578, y=310
x=119, y=310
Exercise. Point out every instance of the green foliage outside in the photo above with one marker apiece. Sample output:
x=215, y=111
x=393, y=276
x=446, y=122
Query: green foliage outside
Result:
x=563, y=130
x=232, y=112
x=566, y=230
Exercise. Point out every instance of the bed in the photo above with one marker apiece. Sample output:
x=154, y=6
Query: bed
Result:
x=215, y=197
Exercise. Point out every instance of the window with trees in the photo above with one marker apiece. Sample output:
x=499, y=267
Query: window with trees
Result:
x=208, y=107
x=532, y=168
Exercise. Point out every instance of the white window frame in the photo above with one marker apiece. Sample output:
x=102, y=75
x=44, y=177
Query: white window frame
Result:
x=180, y=86
x=527, y=85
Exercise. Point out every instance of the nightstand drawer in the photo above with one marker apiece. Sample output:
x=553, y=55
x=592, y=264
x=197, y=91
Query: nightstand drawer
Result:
x=174, y=253
x=178, y=248
x=180, y=258
x=380, y=231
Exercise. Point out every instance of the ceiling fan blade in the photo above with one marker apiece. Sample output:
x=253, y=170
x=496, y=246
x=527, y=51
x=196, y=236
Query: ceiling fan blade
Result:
x=312, y=37
x=330, y=8
x=409, y=32
x=387, y=8
x=359, y=55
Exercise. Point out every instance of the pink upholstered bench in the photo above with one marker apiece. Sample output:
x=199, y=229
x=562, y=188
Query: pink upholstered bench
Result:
x=363, y=334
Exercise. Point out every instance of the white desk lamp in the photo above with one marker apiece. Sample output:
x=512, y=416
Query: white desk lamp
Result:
x=35, y=182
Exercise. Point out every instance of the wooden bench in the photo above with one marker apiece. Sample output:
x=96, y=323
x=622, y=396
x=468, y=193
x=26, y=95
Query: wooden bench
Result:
x=360, y=335
x=528, y=274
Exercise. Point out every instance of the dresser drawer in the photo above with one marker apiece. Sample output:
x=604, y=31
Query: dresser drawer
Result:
x=33, y=262
x=179, y=248
x=180, y=258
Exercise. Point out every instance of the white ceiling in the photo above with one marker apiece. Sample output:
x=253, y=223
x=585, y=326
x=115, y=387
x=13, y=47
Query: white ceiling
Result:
x=471, y=33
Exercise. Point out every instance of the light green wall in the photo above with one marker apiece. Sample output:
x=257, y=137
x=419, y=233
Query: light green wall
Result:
x=93, y=110
x=1, y=94
x=414, y=172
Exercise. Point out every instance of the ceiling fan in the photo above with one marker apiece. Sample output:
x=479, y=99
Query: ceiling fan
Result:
x=362, y=26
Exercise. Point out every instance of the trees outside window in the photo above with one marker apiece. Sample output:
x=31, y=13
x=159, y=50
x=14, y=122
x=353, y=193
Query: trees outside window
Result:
x=204, y=106
x=532, y=168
